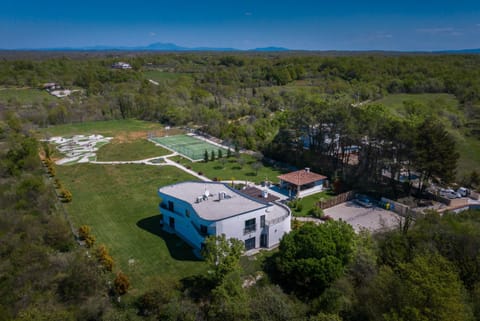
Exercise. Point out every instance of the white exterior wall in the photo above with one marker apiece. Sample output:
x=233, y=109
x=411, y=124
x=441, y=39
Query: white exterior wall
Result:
x=277, y=231
x=232, y=227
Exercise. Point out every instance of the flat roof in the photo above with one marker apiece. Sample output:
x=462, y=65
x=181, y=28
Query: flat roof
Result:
x=222, y=201
x=258, y=193
x=301, y=177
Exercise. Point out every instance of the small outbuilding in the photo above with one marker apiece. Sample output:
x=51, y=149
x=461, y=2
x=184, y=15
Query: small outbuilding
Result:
x=302, y=182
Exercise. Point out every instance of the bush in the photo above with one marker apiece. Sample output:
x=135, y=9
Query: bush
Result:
x=66, y=195
x=89, y=241
x=121, y=284
x=83, y=232
x=299, y=207
x=316, y=212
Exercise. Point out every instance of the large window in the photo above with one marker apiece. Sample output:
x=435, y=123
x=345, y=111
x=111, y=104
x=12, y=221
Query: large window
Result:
x=250, y=226
x=262, y=221
x=170, y=206
x=250, y=244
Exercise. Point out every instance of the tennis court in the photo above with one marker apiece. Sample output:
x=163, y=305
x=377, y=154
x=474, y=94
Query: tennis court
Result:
x=189, y=146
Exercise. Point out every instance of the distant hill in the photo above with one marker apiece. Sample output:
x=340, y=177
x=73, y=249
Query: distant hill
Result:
x=466, y=51
x=158, y=46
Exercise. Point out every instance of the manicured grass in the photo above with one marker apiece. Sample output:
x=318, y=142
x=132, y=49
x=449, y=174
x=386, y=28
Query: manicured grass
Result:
x=232, y=169
x=133, y=150
x=309, y=202
x=157, y=75
x=25, y=96
x=120, y=203
x=113, y=128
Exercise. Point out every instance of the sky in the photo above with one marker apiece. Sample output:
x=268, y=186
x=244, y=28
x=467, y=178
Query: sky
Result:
x=307, y=25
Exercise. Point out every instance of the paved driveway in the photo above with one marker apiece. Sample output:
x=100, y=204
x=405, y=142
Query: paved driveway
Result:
x=373, y=219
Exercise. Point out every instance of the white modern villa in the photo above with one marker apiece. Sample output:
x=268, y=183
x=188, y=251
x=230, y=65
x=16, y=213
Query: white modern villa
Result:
x=194, y=210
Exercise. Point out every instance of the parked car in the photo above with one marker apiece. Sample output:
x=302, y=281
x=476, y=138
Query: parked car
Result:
x=363, y=200
x=463, y=191
x=449, y=193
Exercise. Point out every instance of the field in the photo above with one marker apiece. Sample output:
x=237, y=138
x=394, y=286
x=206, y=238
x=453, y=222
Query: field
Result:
x=431, y=101
x=188, y=146
x=25, y=96
x=128, y=129
x=120, y=204
x=137, y=149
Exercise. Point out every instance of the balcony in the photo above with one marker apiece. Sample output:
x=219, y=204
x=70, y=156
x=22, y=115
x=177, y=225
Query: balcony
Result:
x=249, y=229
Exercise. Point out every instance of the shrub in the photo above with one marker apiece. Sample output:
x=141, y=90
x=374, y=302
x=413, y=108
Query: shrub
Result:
x=316, y=212
x=299, y=207
x=83, y=232
x=89, y=241
x=121, y=284
x=66, y=195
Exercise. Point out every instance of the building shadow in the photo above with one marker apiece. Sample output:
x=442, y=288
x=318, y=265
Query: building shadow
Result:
x=179, y=250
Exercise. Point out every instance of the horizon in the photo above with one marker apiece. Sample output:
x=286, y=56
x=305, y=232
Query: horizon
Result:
x=300, y=25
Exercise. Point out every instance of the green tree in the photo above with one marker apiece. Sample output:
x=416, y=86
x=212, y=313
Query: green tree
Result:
x=222, y=255
x=428, y=288
x=434, y=152
x=212, y=155
x=312, y=257
x=256, y=167
x=220, y=153
x=205, y=156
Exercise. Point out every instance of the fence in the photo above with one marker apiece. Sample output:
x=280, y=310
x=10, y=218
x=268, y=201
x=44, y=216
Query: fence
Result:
x=340, y=198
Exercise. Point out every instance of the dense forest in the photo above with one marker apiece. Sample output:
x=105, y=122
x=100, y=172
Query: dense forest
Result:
x=302, y=109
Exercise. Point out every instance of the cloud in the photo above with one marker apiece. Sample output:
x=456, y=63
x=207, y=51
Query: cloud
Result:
x=248, y=13
x=152, y=34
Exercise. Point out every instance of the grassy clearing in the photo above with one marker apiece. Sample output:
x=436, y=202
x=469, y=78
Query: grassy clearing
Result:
x=25, y=96
x=159, y=76
x=233, y=169
x=395, y=102
x=127, y=128
x=120, y=204
x=132, y=150
x=309, y=202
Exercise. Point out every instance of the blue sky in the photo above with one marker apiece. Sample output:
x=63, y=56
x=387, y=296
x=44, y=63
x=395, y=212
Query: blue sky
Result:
x=312, y=25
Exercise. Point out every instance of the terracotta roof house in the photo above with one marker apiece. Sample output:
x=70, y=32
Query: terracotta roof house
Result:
x=194, y=210
x=302, y=182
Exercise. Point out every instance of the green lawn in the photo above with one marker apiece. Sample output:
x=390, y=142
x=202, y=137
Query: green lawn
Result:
x=132, y=150
x=106, y=128
x=120, y=203
x=310, y=202
x=232, y=169
x=158, y=76
x=25, y=96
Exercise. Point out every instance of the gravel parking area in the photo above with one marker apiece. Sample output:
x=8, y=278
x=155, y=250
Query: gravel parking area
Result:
x=373, y=219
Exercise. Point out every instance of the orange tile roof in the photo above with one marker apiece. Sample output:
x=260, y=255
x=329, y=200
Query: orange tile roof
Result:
x=301, y=177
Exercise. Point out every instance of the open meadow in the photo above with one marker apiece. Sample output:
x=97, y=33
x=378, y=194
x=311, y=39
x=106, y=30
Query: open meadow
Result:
x=120, y=204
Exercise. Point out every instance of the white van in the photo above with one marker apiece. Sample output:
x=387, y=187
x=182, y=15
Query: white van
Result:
x=449, y=193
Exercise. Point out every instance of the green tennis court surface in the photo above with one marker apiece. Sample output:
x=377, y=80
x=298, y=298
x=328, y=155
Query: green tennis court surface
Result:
x=189, y=146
